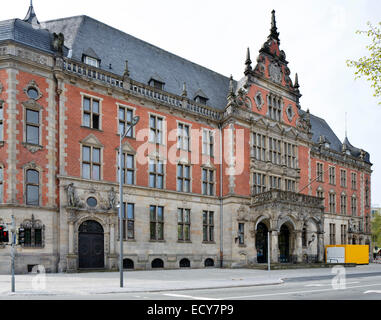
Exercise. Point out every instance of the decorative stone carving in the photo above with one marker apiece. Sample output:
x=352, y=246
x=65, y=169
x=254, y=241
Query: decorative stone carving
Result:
x=72, y=199
x=33, y=85
x=275, y=72
x=58, y=42
x=290, y=113
x=111, y=198
x=259, y=100
x=242, y=213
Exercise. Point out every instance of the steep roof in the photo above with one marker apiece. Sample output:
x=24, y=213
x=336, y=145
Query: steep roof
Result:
x=320, y=128
x=23, y=32
x=144, y=60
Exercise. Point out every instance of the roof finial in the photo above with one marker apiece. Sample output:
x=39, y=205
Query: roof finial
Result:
x=248, y=62
x=346, y=133
x=296, y=83
x=184, y=93
x=274, y=32
x=31, y=16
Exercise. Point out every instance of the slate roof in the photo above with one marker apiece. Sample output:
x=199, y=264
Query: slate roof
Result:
x=319, y=127
x=144, y=60
x=24, y=33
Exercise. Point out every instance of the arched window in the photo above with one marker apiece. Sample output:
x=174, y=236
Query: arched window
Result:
x=32, y=187
x=34, y=233
x=128, y=264
x=209, y=262
x=157, y=263
x=184, y=263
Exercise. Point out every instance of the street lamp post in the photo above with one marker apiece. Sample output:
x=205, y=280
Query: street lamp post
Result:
x=135, y=120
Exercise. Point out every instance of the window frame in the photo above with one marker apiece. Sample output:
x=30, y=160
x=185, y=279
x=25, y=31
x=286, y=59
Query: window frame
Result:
x=183, y=178
x=343, y=178
x=125, y=121
x=1, y=183
x=1, y=120
x=157, y=132
x=33, y=125
x=259, y=146
x=319, y=171
x=157, y=162
x=127, y=221
x=32, y=184
x=208, y=183
x=208, y=226
x=125, y=168
x=332, y=175
x=208, y=142
x=260, y=187
x=155, y=223
x=183, y=224
x=182, y=137
x=91, y=163
x=91, y=113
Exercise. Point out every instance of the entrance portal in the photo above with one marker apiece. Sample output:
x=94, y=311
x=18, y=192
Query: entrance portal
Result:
x=261, y=243
x=91, y=245
x=284, y=244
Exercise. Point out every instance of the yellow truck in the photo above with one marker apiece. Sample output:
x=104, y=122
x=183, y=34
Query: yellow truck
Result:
x=347, y=253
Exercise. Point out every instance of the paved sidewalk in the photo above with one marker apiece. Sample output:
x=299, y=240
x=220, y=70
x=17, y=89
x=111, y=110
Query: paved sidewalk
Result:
x=158, y=280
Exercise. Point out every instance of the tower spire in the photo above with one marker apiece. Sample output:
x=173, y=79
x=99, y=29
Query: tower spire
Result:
x=31, y=16
x=248, y=68
x=274, y=31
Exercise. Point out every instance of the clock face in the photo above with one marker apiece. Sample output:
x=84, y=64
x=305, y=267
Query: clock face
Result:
x=275, y=73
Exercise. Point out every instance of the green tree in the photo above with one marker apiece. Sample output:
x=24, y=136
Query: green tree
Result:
x=370, y=67
x=376, y=230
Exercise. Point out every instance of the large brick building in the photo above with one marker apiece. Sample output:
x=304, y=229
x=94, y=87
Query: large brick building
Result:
x=213, y=165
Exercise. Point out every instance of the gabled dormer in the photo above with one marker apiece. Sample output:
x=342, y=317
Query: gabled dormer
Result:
x=91, y=58
x=156, y=82
x=200, y=97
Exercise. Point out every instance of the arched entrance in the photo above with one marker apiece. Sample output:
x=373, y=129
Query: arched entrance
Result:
x=91, y=245
x=284, y=244
x=261, y=243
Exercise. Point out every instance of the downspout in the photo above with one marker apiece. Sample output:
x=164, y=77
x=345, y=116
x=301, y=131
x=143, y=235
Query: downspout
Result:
x=221, y=201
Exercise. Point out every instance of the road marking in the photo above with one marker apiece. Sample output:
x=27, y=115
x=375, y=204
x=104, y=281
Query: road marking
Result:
x=372, y=291
x=191, y=297
x=296, y=292
x=326, y=284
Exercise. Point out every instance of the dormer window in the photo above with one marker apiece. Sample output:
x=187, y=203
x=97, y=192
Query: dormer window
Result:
x=91, y=61
x=156, y=82
x=200, y=97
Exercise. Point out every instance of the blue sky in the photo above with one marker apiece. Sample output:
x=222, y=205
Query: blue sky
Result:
x=317, y=37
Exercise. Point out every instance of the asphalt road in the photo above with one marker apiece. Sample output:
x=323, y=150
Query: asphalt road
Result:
x=366, y=286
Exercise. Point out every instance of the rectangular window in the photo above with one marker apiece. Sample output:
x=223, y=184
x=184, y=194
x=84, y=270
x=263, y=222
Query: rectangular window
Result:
x=354, y=206
x=290, y=185
x=91, y=163
x=128, y=168
x=259, y=183
x=125, y=121
x=183, y=178
x=343, y=204
x=319, y=172
x=1, y=122
x=259, y=146
x=208, y=182
x=207, y=226
x=343, y=178
x=32, y=126
x=32, y=237
x=332, y=233
x=290, y=155
x=1, y=184
x=91, y=61
x=156, y=223
x=343, y=234
x=275, y=182
x=156, y=174
x=332, y=202
x=183, y=224
x=241, y=233
x=183, y=137
x=354, y=180
x=156, y=129
x=208, y=142
x=91, y=113
x=320, y=193
x=332, y=175
x=128, y=221
x=275, y=151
